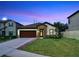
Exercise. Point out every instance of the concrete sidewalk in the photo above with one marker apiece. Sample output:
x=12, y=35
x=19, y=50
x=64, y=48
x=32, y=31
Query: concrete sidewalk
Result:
x=20, y=53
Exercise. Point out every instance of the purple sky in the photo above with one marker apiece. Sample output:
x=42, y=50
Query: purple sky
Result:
x=30, y=12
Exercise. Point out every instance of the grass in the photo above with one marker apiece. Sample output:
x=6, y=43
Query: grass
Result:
x=54, y=47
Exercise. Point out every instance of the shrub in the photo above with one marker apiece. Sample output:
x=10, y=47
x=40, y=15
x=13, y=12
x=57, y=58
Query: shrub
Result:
x=13, y=37
x=58, y=36
x=5, y=38
x=50, y=36
x=2, y=38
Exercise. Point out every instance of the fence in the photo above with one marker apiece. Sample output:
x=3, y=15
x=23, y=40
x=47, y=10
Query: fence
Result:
x=71, y=34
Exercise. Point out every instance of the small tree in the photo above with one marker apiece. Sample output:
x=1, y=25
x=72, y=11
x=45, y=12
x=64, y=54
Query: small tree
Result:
x=60, y=27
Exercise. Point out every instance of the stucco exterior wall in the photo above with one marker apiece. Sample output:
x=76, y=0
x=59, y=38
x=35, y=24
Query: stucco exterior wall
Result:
x=50, y=27
x=71, y=34
x=74, y=22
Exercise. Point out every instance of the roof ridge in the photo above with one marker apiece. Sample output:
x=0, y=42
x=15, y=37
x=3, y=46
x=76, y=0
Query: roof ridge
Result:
x=73, y=14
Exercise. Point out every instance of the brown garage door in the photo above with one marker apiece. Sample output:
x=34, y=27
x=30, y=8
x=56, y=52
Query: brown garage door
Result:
x=28, y=34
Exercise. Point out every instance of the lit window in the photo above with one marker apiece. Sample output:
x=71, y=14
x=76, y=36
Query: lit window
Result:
x=51, y=31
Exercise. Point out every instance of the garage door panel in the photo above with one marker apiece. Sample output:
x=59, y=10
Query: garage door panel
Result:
x=28, y=34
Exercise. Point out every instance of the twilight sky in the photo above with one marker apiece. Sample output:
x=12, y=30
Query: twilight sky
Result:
x=32, y=11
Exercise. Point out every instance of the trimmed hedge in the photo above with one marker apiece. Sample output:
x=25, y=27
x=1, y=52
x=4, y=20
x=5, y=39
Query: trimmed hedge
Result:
x=5, y=38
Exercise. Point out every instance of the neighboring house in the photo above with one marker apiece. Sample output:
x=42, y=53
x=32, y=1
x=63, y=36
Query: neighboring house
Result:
x=8, y=27
x=12, y=28
x=73, y=26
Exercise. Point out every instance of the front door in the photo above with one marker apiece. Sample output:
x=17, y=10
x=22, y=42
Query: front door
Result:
x=41, y=32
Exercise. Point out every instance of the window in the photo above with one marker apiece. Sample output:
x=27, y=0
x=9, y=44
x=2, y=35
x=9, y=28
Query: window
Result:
x=10, y=33
x=69, y=21
x=51, y=31
x=0, y=24
x=10, y=24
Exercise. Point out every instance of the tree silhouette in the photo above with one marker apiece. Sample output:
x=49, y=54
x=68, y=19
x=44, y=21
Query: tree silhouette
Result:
x=60, y=27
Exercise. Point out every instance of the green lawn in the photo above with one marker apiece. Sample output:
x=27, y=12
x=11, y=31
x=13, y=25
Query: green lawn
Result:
x=57, y=47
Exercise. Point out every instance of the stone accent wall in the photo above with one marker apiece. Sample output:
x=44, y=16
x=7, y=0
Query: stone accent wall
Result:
x=44, y=28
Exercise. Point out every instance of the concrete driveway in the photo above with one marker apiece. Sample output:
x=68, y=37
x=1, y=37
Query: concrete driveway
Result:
x=9, y=48
x=15, y=43
x=11, y=45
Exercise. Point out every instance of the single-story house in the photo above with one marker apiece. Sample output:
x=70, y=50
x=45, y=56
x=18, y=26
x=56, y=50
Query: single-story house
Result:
x=73, y=26
x=10, y=27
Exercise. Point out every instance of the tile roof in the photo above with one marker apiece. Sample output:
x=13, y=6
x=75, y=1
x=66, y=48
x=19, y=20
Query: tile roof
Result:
x=31, y=26
x=35, y=25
